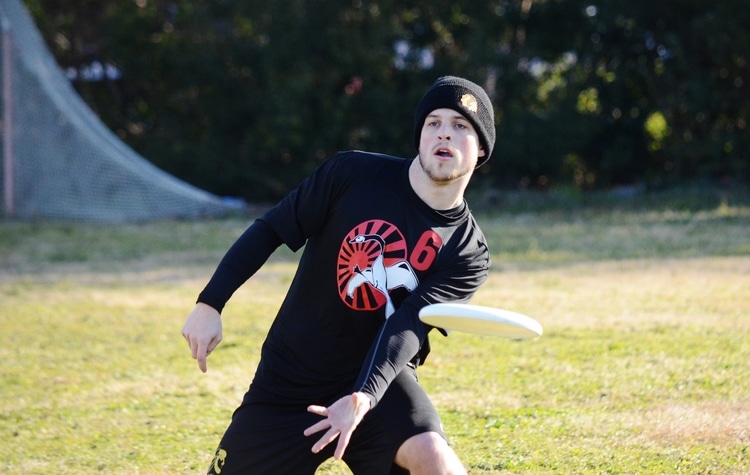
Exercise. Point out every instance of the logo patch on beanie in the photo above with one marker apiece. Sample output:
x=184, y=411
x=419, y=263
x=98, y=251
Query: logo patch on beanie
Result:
x=470, y=102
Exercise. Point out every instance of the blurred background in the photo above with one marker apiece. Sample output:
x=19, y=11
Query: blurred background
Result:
x=245, y=98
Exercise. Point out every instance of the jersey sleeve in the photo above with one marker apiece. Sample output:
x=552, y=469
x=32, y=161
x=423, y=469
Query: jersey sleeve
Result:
x=403, y=336
x=242, y=260
x=296, y=217
x=303, y=212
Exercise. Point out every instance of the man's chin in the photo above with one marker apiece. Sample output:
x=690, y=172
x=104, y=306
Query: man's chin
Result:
x=441, y=175
x=442, y=179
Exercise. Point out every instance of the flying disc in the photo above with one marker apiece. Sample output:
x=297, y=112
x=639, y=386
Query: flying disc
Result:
x=480, y=320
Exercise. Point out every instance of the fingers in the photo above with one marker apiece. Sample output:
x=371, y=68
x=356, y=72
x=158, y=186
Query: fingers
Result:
x=327, y=438
x=336, y=428
x=201, y=357
x=330, y=435
x=320, y=425
x=319, y=410
x=344, y=438
x=203, y=333
x=200, y=351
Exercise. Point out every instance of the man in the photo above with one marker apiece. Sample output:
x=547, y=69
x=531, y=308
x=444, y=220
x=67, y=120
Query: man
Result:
x=383, y=237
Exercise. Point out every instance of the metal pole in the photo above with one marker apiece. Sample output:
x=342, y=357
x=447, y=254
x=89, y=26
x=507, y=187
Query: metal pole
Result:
x=8, y=153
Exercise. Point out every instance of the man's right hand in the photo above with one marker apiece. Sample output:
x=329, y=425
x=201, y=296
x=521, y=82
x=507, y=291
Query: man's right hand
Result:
x=202, y=331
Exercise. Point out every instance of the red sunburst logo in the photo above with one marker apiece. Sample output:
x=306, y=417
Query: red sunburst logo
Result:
x=360, y=249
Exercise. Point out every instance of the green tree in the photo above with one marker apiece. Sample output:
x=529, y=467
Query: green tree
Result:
x=245, y=98
x=636, y=61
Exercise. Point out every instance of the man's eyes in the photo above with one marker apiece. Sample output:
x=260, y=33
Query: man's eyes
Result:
x=459, y=125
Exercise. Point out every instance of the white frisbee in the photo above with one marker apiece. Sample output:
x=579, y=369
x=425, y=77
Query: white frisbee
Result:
x=480, y=320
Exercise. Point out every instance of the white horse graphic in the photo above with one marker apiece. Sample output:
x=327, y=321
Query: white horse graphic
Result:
x=381, y=277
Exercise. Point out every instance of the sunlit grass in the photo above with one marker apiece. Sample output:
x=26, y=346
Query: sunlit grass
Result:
x=643, y=367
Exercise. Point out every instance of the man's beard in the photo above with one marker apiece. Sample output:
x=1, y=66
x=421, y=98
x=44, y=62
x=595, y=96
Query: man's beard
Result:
x=442, y=179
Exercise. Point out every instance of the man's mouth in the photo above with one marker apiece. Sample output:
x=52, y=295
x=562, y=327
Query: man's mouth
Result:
x=444, y=152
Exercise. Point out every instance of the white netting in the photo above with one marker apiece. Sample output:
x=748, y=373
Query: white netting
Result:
x=59, y=160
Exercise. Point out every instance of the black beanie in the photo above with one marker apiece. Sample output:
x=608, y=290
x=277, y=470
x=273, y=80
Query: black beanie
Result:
x=465, y=97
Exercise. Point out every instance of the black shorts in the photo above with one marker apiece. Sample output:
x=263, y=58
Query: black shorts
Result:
x=268, y=438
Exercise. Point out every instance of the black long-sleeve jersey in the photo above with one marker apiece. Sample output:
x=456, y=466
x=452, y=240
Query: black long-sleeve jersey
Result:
x=374, y=254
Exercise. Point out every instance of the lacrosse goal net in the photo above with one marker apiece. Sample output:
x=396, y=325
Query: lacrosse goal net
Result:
x=59, y=161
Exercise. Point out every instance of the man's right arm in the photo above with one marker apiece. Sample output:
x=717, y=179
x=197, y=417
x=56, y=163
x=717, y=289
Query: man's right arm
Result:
x=242, y=260
x=203, y=328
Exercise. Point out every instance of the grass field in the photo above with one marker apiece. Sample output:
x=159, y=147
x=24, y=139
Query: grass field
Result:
x=644, y=367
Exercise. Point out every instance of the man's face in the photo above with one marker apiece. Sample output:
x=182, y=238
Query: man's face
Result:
x=448, y=147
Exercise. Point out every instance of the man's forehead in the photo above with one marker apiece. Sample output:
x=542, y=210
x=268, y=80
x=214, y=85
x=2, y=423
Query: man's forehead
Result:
x=445, y=112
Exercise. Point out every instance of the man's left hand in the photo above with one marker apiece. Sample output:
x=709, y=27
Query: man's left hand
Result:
x=341, y=418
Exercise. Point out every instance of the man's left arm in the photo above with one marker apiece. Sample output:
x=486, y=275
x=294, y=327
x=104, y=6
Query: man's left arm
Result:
x=398, y=342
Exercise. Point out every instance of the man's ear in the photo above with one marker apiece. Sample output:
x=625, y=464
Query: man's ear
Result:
x=481, y=153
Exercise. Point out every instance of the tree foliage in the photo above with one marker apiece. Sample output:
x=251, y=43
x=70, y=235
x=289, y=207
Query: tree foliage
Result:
x=245, y=98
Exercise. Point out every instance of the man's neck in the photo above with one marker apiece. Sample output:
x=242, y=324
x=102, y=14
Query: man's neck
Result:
x=439, y=196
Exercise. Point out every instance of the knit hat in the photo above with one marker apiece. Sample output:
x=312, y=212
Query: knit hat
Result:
x=465, y=97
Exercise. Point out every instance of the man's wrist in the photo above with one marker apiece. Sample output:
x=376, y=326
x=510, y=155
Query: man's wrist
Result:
x=364, y=399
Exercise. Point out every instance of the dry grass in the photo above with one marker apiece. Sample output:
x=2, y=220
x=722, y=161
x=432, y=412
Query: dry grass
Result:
x=636, y=294
x=643, y=367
